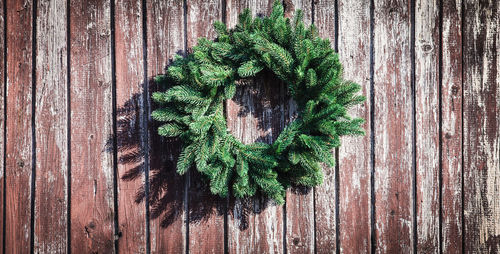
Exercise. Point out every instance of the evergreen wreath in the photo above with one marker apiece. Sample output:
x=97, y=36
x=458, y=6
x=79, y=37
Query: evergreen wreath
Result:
x=197, y=86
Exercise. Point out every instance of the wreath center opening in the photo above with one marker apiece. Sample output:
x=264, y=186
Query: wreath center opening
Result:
x=260, y=108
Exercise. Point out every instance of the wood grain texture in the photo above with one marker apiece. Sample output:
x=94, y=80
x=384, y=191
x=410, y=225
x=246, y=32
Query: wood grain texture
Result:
x=427, y=124
x=325, y=194
x=92, y=208
x=51, y=132
x=256, y=113
x=165, y=38
x=131, y=131
x=354, y=154
x=256, y=224
x=19, y=139
x=206, y=211
x=393, y=127
x=299, y=202
x=2, y=119
x=451, y=124
x=481, y=101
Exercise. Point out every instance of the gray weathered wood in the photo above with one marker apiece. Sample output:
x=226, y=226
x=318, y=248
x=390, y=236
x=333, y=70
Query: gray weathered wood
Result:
x=51, y=132
x=393, y=127
x=92, y=197
x=354, y=154
x=131, y=131
x=451, y=122
x=481, y=101
x=427, y=124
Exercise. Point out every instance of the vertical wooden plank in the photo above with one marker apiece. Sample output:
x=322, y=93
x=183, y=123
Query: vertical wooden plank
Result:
x=451, y=124
x=2, y=120
x=92, y=208
x=206, y=211
x=481, y=65
x=165, y=38
x=427, y=50
x=393, y=126
x=354, y=154
x=299, y=202
x=18, y=165
x=51, y=132
x=130, y=125
x=255, y=114
x=325, y=194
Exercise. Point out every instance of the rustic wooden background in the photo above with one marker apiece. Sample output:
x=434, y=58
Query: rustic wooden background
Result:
x=83, y=169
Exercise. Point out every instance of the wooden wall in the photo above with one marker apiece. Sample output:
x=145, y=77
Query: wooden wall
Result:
x=84, y=171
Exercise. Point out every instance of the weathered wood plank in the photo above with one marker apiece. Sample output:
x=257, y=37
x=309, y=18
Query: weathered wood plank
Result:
x=92, y=208
x=19, y=139
x=2, y=119
x=354, y=154
x=256, y=223
x=451, y=124
x=325, y=194
x=427, y=124
x=206, y=211
x=481, y=101
x=165, y=38
x=255, y=114
x=299, y=202
x=51, y=132
x=130, y=125
x=393, y=127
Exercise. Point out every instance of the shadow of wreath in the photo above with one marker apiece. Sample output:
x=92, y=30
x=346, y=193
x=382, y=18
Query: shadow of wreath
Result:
x=166, y=196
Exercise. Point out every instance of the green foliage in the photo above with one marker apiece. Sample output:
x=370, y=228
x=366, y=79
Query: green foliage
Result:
x=170, y=130
x=250, y=68
x=186, y=158
x=192, y=105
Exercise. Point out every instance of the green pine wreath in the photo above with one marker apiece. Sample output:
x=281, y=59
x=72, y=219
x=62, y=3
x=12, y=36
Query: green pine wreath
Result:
x=192, y=105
